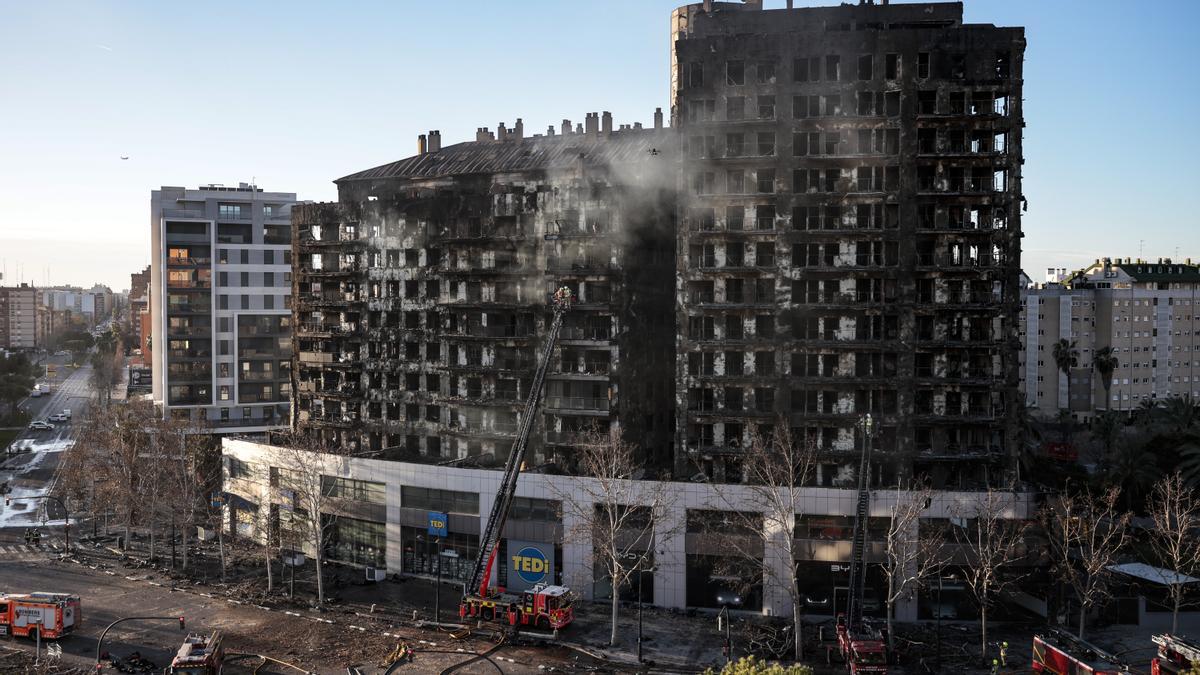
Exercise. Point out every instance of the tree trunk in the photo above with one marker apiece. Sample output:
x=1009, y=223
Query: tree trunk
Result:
x=982, y=630
x=151, y=542
x=1177, y=596
x=614, y=606
x=317, y=558
x=221, y=548
x=797, y=628
x=267, y=557
x=1082, y=618
x=183, y=540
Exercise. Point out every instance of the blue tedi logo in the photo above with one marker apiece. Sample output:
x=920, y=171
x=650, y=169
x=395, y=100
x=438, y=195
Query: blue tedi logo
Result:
x=530, y=564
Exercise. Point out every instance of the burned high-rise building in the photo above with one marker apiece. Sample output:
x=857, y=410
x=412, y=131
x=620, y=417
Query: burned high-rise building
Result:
x=828, y=229
x=849, y=241
x=422, y=296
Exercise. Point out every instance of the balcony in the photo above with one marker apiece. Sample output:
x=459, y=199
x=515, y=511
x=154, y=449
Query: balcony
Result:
x=180, y=261
x=578, y=266
x=577, y=403
x=585, y=333
x=188, y=283
x=327, y=328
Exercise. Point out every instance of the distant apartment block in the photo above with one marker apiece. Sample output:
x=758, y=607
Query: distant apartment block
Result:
x=139, y=309
x=93, y=305
x=18, y=317
x=220, y=305
x=1143, y=310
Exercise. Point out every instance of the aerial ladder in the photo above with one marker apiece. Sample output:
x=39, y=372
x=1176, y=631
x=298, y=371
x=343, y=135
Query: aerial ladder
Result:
x=862, y=648
x=542, y=605
x=1176, y=654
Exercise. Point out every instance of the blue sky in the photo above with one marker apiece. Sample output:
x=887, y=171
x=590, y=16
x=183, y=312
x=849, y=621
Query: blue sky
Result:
x=295, y=94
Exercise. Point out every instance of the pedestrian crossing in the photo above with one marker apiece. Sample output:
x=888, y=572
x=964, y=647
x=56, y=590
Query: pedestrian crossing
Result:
x=25, y=551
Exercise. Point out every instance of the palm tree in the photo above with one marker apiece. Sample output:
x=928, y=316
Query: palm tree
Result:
x=1133, y=468
x=1180, y=413
x=1106, y=428
x=1146, y=412
x=1066, y=357
x=1105, y=363
x=1189, y=464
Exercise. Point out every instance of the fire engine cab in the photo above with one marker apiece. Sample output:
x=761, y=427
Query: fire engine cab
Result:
x=199, y=655
x=1175, y=655
x=53, y=615
x=1059, y=653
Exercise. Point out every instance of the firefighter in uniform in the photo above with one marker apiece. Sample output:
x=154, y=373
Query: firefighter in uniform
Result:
x=1004, y=654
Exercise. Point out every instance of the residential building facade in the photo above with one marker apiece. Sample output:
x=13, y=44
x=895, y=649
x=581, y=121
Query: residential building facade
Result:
x=18, y=317
x=220, y=289
x=423, y=296
x=850, y=239
x=1143, y=310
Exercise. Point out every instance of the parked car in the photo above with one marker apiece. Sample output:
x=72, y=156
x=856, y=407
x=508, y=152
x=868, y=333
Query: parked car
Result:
x=36, y=393
x=41, y=425
x=58, y=417
x=66, y=412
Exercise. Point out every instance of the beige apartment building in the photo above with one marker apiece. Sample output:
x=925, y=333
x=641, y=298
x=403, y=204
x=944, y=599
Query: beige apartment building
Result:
x=1142, y=309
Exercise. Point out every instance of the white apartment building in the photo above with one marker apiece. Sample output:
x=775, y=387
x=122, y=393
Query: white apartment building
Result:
x=220, y=279
x=1143, y=309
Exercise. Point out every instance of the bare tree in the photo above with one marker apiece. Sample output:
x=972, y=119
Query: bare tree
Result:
x=304, y=465
x=775, y=470
x=1086, y=533
x=910, y=556
x=1175, y=509
x=991, y=539
x=617, y=515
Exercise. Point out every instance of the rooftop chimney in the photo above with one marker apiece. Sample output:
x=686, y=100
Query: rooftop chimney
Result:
x=606, y=123
x=579, y=128
x=435, y=140
x=519, y=129
x=501, y=133
x=658, y=118
x=482, y=134
x=421, y=144
x=566, y=127
x=591, y=124
x=550, y=130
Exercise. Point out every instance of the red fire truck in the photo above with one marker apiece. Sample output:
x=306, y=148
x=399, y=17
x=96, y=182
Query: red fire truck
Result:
x=200, y=655
x=542, y=605
x=1059, y=653
x=53, y=615
x=1175, y=655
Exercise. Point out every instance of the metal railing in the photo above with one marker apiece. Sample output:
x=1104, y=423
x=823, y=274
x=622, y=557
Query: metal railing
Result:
x=577, y=403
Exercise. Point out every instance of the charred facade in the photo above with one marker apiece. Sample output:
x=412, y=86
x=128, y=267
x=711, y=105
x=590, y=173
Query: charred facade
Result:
x=422, y=295
x=850, y=238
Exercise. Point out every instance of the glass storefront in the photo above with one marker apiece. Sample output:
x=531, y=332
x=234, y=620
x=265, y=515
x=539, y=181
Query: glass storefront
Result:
x=710, y=576
x=359, y=542
x=420, y=550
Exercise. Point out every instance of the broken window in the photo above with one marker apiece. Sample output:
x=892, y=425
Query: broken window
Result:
x=832, y=140
x=765, y=181
x=734, y=218
x=927, y=102
x=764, y=214
x=735, y=145
x=734, y=328
x=735, y=107
x=734, y=363
x=866, y=64
x=702, y=182
x=735, y=73
x=832, y=66
x=766, y=73
x=891, y=66
x=735, y=254
x=958, y=65
x=694, y=74
x=766, y=143
x=766, y=107
x=764, y=324
x=923, y=65
x=866, y=104
x=892, y=103
x=764, y=363
x=1003, y=65
x=799, y=107
x=806, y=217
x=735, y=181
x=764, y=254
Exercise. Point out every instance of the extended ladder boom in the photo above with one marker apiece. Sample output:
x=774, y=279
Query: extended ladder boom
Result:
x=858, y=545
x=481, y=575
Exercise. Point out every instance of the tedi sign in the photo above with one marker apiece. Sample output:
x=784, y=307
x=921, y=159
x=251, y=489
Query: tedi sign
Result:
x=529, y=563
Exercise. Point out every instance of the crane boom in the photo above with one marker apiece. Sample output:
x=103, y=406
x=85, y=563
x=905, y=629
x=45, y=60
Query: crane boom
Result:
x=481, y=575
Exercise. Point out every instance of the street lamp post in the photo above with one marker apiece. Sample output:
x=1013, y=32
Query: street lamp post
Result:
x=437, y=590
x=727, y=599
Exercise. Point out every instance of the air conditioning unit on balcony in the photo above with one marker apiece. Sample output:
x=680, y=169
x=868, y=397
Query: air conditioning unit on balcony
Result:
x=375, y=574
